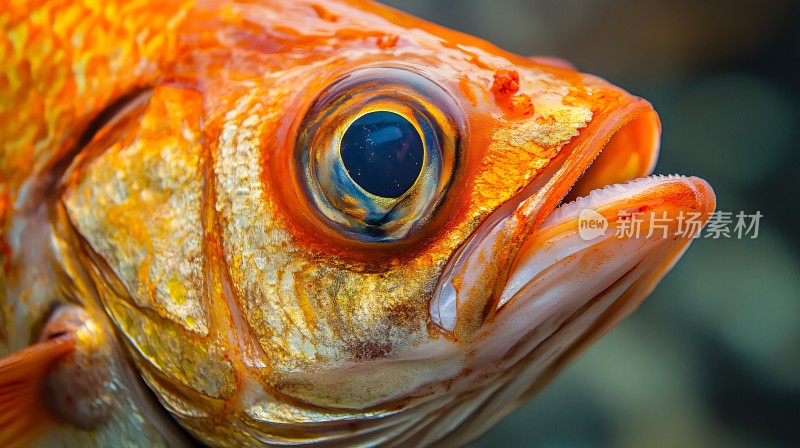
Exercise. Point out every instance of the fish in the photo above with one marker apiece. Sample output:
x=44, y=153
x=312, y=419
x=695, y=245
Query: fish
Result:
x=316, y=222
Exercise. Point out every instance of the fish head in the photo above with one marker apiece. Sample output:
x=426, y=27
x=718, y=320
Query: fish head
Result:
x=326, y=217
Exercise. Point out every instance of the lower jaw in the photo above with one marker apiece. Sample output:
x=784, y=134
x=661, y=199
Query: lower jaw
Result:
x=565, y=292
x=580, y=243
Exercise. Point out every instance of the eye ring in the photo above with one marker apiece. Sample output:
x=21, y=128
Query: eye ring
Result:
x=410, y=101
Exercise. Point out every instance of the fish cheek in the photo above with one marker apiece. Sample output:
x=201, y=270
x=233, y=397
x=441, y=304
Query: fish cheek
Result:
x=140, y=207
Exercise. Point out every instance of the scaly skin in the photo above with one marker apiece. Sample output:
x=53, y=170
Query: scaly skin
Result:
x=62, y=63
x=182, y=226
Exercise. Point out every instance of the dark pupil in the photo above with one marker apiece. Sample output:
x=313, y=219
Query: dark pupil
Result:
x=383, y=153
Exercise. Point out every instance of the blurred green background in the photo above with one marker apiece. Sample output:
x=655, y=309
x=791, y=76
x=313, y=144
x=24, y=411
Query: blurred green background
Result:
x=713, y=356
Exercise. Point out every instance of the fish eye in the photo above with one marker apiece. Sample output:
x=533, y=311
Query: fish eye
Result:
x=383, y=153
x=376, y=153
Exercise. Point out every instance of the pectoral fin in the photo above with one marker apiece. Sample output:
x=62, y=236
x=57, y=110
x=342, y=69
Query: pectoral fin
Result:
x=23, y=412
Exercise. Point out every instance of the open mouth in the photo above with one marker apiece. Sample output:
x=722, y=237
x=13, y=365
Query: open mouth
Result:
x=631, y=153
x=532, y=253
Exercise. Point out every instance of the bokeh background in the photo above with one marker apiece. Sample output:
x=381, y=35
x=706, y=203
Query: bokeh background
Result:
x=713, y=356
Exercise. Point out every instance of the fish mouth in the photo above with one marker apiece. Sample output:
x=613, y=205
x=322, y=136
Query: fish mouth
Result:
x=540, y=261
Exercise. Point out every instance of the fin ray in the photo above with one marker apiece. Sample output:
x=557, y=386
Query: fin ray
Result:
x=22, y=409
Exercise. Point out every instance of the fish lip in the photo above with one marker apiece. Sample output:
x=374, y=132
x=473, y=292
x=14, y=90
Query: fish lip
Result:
x=555, y=326
x=546, y=191
x=577, y=297
x=629, y=196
